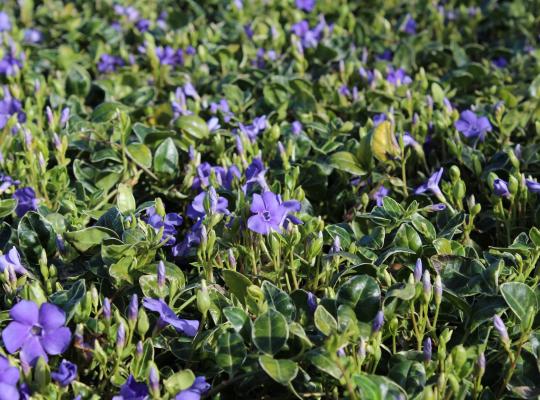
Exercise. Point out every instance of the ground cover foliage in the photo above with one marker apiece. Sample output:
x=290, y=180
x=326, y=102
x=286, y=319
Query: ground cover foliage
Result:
x=274, y=199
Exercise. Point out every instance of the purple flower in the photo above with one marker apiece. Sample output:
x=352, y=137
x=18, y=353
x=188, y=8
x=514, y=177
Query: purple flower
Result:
x=168, y=223
x=13, y=260
x=410, y=25
x=133, y=308
x=408, y=140
x=367, y=75
x=67, y=372
x=472, y=126
x=10, y=64
x=309, y=38
x=143, y=25
x=26, y=200
x=195, y=391
x=377, y=119
x=398, y=77
x=192, y=239
x=344, y=90
x=296, y=127
x=37, y=332
x=166, y=315
x=255, y=174
x=161, y=274
x=132, y=390
x=386, y=55
x=270, y=212
x=7, y=181
x=223, y=107
x=32, y=36
x=378, y=322
x=169, y=56
x=380, y=194
x=5, y=24
x=9, y=375
x=432, y=184
x=533, y=186
x=252, y=130
x=305, y=5
x=109, y=63
x=500, y=62
x=500, y=188
x=218, y=205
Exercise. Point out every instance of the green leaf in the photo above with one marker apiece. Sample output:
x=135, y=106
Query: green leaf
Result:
x=179, y=381
x=35, y=234
x=519, y=298
x=7, y=206
x=362, y=293
x=237, y=318
x=320, y=359
x=401, y=290
x=282, y=371
x=68, y=299
x=345, y=161
x=278, y=299
x=270, y=332
x=125, y=200
x=89, y=237
x=237, y=284
x=141, y=154
x=230, y=352
x=106, y=111
x=195, y=127
x=166, y=158
x=324, y=321
x=78, y=81
x=423, y=226
x=383, y=142
x=376, y=387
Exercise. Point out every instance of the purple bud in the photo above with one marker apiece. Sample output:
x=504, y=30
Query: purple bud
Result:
x=377, y=322
x=311, y=302
x=426, y=283
x=239, y=145
x=64, y=117
x=341, y=352
x=232, y=259
x=428, y=349
x=133, y=309
x=37, y=85
x=161, y=274
x=50, y=116
x=57, y=142
x=437, y=289
x=500, y=188
x=336, y=245
x=481, y=361
x=154, y=381
x=139, y=349
x=500, y=328
x=120, y=336
x=107, y=309
x=296, y=127
x=281, y=150
x=27, y=137
x=429, y=101
x=436, y=207
x=418, y=270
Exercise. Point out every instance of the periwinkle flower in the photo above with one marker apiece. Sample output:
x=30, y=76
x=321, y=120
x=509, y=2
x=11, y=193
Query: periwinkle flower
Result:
x=192, y=239
x=410, y=25
x=481, y=361
x=132, y=390
x=143, y=25
x=32, y=36
x=377, y=119
x=5, y=23
x=161, y=274
x=12, y=259
x=398, y=77
x=270, y=212
x=169, y=223
x=309, y=38
x=533, y=186
x=67, y=373
x=336, y=245
x=10, y=64
x=378, y=322
x=473, y=126
x=305, y=5
x=427, y=350
x=500, y=188
x=252, y=130
x=213, y=124
x=311, y=302
x=436, y=207
x=195, y=391
x=10, y=106
x=432, y=185
x=386, y=55
x=296, y=127
x=7, y=182
x=169, y=56
x=500, y=62
x=37, y=332
x=255, y=173
x=218, y=205
x=9, y=375
x=133, y=308
x=107, y=309
x=166, y=315
x=120, y=336
x=426, y=283
x=109, y=63
x=153, y=379
x=26, y=200
x=380, y=194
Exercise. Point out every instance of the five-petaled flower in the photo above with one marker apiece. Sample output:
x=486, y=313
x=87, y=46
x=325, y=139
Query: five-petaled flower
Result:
x=432, y=185
x=195, y=391
x=37, y=332
x=67, y=372
x=473, y=126
x=270, y=213
x=167, y=316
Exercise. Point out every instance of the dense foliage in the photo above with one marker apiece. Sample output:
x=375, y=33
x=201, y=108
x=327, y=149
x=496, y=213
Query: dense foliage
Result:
x=281, y=199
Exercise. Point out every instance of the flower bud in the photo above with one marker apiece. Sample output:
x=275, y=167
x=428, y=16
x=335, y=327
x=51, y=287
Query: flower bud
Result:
x=427, y=350
x=417, y=273
x=153, y=379
x=426, y=286
x=481, y=363
x=106, y=309
x=437, y=289
x=362, y=349
x=203, y=298
x=377, y=322
x=161, y=274
x=133, y=309
x=143, y=324
x=139, y=349
x=232, y=259
x=120, y=337
x=501, y=329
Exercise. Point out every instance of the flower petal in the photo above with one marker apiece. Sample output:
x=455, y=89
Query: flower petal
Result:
x=188, y=326
x=257, y=224
x=56, y=341
x=8, y=392
x=25, y=311
x=14, y=335
x=32, y=350
x=257, y=204
x=51, y=316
